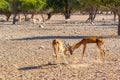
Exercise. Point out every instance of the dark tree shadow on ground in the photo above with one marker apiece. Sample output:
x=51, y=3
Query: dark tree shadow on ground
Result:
x=63, y=37
x=109, y=25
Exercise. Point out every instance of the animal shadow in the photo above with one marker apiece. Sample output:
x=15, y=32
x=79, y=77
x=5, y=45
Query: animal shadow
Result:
x=43, y=66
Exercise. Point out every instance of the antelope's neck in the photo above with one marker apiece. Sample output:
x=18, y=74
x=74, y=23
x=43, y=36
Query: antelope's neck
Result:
x=77, y=45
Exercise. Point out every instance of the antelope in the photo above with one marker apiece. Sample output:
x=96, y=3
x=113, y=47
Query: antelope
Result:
x=59, y=49
x=99, y=42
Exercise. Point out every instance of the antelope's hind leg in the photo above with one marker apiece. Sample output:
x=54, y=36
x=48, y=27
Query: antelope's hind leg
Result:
x=102, y=52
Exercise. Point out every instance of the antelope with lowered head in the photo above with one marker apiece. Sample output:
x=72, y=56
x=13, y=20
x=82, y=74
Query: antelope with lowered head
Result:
x=99, y=42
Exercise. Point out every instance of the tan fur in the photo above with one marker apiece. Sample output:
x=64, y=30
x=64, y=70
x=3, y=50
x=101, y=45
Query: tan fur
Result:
x=99, y=42
x=59, y=49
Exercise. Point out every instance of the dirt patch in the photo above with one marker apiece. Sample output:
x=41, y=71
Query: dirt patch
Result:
x=26, y=50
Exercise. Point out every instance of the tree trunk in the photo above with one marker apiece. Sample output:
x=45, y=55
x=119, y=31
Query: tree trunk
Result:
x=19, y=18
x=14, y=18
x=90, y=18
x=67, y=15
x=32, y=16
x=42, y=17
x=7, y=16
x=92, y=13
x=25, y=14
x=67, y=12
x=114, y=13
x=95, y=12
x=114, y=16
x=119, y=25
x=49, y=16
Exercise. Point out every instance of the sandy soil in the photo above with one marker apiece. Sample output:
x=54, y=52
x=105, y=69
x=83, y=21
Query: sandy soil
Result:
x=26, y=52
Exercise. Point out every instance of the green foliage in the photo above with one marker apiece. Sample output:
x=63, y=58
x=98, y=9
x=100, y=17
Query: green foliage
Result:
x=104, y=8
x=4, y=6
x=15, y=5
x=61, y=5
x=91, y=2
x=74, y=4
x=54, y=5
x=32, y=4
x=111, y=3
x=87, y=5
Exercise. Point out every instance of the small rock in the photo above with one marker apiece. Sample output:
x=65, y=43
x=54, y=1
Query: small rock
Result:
x=41, y=26
x=41, y=47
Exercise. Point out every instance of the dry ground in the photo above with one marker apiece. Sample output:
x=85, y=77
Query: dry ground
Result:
x=26, y=52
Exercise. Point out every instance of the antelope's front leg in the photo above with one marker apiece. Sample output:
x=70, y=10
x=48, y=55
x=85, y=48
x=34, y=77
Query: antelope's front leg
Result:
x=103, y=54
x=84, y=48
x=58, y=58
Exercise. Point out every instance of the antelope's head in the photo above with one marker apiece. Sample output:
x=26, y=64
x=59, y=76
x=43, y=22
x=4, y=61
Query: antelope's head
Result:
x=69, y=48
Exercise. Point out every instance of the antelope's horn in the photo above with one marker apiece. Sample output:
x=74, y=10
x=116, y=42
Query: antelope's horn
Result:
x=66, y=45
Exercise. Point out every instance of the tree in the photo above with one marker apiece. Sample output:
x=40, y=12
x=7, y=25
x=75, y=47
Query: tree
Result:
x=70, y=7
x=53, y=6
x=32, y=6
x=15, y=6
x=115, y=6
x=92, y=7
x=118, y=13
x=65, y=7
x=18, y=6
x=5, y=9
